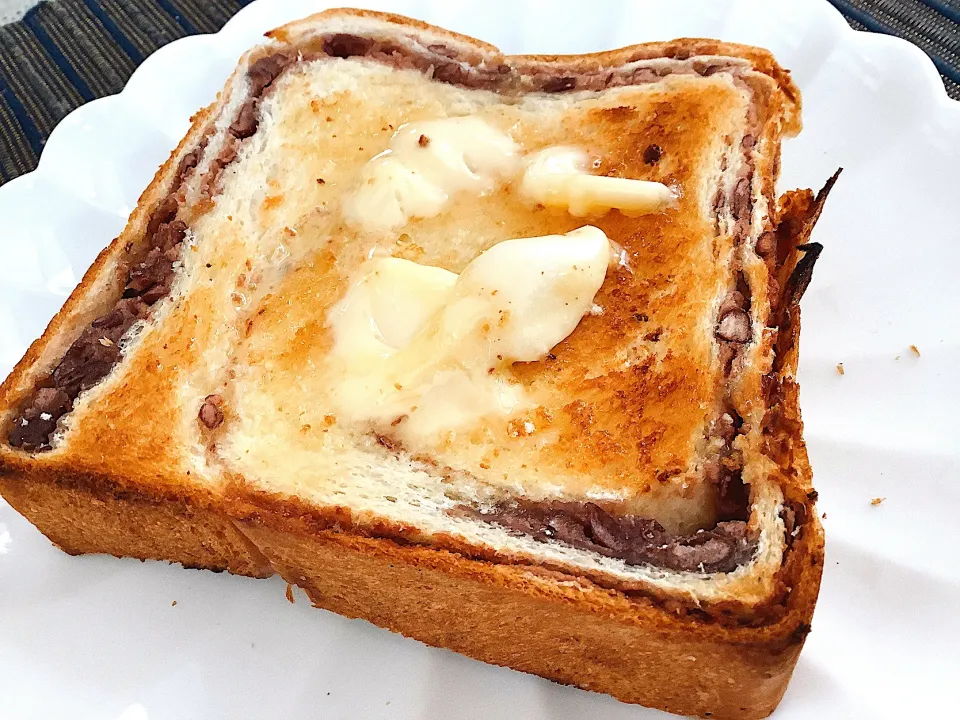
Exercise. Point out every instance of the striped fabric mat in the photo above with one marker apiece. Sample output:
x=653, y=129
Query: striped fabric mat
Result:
x=67, y=52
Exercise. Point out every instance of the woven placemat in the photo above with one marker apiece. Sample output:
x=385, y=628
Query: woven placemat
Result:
x=66, y=52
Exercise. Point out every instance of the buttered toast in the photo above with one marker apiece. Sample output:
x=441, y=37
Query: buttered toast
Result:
x=494, y=351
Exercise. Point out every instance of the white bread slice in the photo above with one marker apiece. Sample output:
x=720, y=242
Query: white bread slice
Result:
x=268, y=253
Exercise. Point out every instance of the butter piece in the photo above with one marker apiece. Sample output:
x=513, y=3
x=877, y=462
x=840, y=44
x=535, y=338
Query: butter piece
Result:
x=419, y=351
x=404, y=295
x=390, y=193
x=537, y=289
x=557, y=177
x=426, y=164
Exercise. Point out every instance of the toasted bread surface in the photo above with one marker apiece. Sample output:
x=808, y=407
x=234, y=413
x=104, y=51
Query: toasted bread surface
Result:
x=593, y=415
x=632, y=388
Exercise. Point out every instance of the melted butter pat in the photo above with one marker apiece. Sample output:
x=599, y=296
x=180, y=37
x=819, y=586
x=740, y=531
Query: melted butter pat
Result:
x=419, y=351
x=557, y=177
x=425, y=166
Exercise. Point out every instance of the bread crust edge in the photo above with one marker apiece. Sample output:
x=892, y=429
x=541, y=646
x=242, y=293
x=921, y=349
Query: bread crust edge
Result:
x=557, y=626
x=83, y=514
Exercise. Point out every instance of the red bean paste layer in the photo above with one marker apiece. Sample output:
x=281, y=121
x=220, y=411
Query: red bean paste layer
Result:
x=633, y=539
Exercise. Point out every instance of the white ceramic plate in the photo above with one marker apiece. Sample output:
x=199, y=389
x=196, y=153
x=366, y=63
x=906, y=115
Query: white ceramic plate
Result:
x=95, y=637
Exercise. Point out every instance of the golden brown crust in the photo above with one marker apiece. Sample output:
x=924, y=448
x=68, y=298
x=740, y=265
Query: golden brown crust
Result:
x=640, y=649
x=572, y=631
x=92, y=515
x=284, y=33
x=147, y=458
x=761, y=60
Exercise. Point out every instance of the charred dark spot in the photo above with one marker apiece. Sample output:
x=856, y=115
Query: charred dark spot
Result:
x=802, y=274
x=800, y=633
x=652, y=155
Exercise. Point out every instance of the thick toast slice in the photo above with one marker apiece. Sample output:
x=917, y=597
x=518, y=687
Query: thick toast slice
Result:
x=637, y=520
